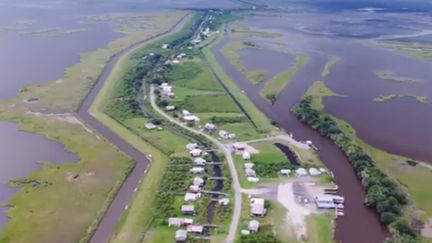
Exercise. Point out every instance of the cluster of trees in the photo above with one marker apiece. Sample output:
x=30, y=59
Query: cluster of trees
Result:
x=175, y=180
x=382, y=193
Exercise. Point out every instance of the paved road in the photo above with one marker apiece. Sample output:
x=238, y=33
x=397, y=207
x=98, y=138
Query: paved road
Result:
x=235, y=181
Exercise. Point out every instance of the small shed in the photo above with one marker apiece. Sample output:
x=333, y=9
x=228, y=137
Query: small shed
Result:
x=301, y=172
x=198, y=181
x=246, y=155
x=190, y=197
x=188, y=210
x=181, y=235
x=197, y=170
x=253, y=226
x=170, y=108
x=191, y=118
x=314, y=172
x=285, y=172
x=195, y=152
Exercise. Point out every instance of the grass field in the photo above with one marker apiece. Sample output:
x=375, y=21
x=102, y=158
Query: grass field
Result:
x=320, y=228
x=59, y=210
x=258, y=118
x=275, y=85
x=387, y=75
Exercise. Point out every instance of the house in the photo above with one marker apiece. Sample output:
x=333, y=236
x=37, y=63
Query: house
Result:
x=200, y=161
x=185, y=113
x=210, y=127
x=194, y=188
x=250, y=173
x=195, y=152
x=150, y=126
x=181, y=235
x=253, y=179
x=197, y=170
x=253, y=226
x=258, y=207
x=314, y=172
x=191, y=146
x=231, y=136
x=285, y=172
x=197, y=229
x=175, y=61
x=198, y=181
x=248, y=165
x=224, y=201
x=178, y=222
x=246, y=155
x=325, y=202
x=165, y=46
x=301, y=172
x=191, y=118
x=190, y=197
x=188, y=210
x=170, y=108
x=239, y=146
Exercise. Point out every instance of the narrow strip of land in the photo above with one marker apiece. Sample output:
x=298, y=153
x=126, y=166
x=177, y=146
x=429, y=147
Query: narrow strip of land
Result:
x=235, y=181
x=120, y=202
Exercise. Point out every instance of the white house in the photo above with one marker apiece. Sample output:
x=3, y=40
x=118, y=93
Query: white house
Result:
x=314, y=172
x=195, y=152
x=188, y=210
x=195, y=188
x=178, y=222
x=253, y=226
x=181, y=235
x=150, y=126
x=248, y=165
x=250, y=173
x=285, y=172
x=210, y=127
x=190, y=197
x=258, y=207
x=198, y=229
x=165, y=46
x=197, y=170
x=224, y=201
x=198, y=181
x=301, y=172
x=191, y=118
x=223, y=134
x=185, y=112
x=239, y=146
x=191, y=146
x=200, y=161
x=246, y=155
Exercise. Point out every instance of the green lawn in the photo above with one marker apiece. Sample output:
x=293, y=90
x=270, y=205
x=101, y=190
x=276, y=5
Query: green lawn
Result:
x=209, y=103
x=275, y=85
x=194, y=74
x=258, y=118
x=320, y=228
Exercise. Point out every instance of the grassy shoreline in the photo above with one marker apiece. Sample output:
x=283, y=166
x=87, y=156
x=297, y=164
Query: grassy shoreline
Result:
x=101, y=169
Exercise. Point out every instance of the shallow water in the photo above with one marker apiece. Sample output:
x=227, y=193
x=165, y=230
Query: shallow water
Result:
x=20, y=154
